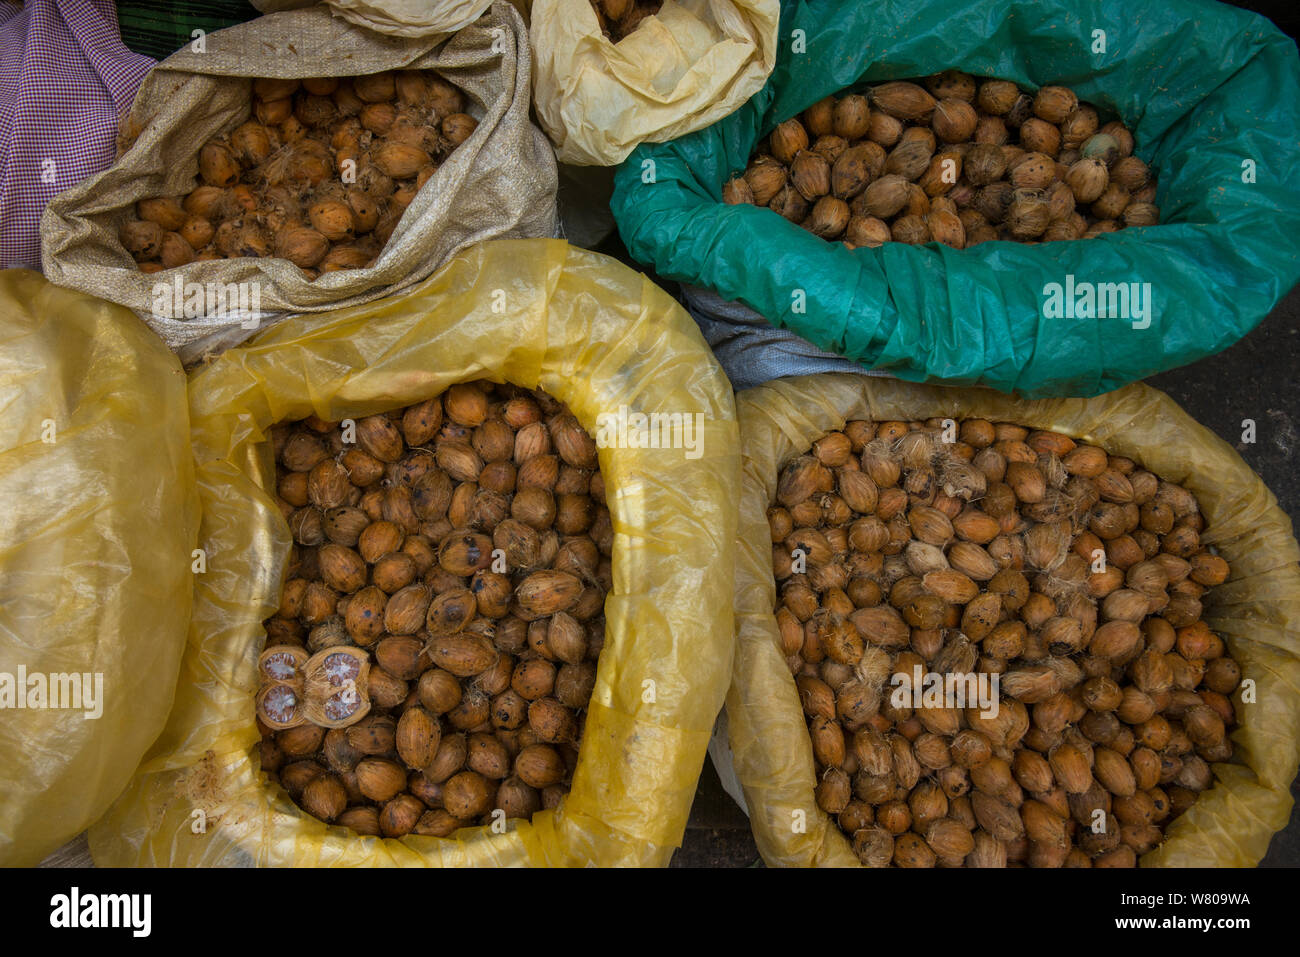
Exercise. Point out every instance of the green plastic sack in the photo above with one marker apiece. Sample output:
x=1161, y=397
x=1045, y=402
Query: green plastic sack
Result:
x=99, y=520
x=1256, y=611
x=1203, y=86
x=594, y=334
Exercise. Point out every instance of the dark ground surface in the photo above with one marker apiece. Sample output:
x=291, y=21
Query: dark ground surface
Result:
x=1255, y=379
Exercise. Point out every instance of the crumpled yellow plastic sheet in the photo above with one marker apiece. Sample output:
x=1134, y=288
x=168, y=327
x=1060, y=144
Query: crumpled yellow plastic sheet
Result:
x=536, y=313
x=1257, y=611
x=684, y=68
x=100, y=517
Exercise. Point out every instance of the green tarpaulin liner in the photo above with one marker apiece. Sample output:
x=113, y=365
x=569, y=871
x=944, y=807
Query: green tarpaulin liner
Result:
x=1211, y=94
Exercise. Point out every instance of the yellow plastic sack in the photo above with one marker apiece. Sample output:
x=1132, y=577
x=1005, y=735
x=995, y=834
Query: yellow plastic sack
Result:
x=1257, y=611
x=94, y=559
x=681, y=70
x=536, y=313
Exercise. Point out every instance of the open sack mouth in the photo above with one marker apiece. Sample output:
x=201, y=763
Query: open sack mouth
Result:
x=977, y=629
x=988, y=314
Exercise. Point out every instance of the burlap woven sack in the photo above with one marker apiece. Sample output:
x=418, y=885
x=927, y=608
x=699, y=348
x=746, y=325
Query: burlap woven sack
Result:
x=500, y=183
x=681, y=70
x=398, y=18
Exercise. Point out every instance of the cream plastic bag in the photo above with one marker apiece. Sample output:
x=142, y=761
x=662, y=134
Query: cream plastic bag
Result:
x=681, y=70
x=1257, y=611
x=592, y=333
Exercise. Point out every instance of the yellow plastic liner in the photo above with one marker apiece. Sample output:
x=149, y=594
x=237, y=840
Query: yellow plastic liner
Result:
x=100, y=516
x=536, y=313
x=1257, y=611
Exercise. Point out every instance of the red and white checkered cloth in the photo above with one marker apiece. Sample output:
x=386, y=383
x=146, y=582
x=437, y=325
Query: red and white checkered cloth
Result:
x=65, y=79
